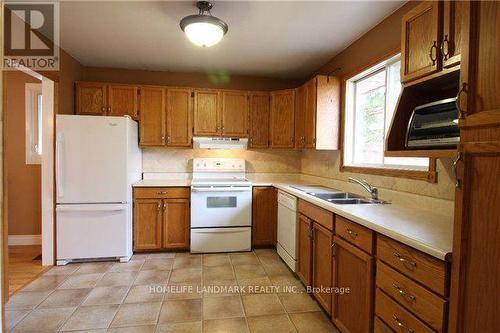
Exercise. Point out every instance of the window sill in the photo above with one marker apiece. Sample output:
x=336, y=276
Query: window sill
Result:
x=429, y=175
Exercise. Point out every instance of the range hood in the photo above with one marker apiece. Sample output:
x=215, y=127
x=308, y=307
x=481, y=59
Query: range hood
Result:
x=220, y=143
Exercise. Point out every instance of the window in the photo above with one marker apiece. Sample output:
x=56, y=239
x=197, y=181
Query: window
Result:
x=371, y=98
x=33, y=123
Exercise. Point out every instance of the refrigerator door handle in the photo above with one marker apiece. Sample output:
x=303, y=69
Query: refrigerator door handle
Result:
x=59, y=166
x=91, y=208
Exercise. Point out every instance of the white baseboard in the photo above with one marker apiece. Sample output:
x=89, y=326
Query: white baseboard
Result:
x=25, y=239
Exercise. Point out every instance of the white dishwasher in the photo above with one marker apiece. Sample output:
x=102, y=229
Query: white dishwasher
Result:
x=287, y=229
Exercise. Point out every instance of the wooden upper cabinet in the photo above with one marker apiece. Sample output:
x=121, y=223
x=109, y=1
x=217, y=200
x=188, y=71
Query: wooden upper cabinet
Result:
x=259, y=108
x=179, y=117
x=304, y=252
x=176, y=224
x=123, y=100
x=310, y=113
x=454, y=15
x=234, y=113
x=147, y=224
x=421, y=39
x=322, y=265
x=353, y=311
x=152, y=117
x=480, y=66
x=207, y=104
x=91, y=98
x=282, y=118
x=264, y=216
x=300, y=116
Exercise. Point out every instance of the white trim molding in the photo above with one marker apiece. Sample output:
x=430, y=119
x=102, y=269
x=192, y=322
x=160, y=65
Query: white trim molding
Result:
x=25, y=239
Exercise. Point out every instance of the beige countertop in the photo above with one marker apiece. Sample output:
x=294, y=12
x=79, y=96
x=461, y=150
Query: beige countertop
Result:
x=423, y=230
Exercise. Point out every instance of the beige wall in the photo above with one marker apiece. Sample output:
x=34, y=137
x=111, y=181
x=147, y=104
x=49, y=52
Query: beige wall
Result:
x=373, y=46
x=180, y=160
x=23, y=181
x=195, y=80
x=70, y=71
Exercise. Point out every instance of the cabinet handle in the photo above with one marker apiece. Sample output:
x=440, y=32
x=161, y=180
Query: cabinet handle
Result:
x=445, y=44
x=334, y=249
x=311, y=232
x=352, y=233
x=455, y=162
x=168, y=139
x=158, y=207
x=161, y=192
x=461, y=113
x=403, y=293
x=109, y=109
x=164, y=207
x=103, y=109
x=433, y=47
x=404, y=260
x=401, y=324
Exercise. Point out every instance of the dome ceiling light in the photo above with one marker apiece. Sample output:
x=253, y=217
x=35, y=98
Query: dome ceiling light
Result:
x=203, y=29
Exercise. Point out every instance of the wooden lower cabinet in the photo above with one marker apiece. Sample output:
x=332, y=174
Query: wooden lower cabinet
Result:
x=322, y=265
x=147, y=224
x=264, y=216
x=176, y=223
x=304, y=246
x=352, y=268
x=161, y=222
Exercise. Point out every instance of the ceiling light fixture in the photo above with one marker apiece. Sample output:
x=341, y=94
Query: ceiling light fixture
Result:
x=203, y=29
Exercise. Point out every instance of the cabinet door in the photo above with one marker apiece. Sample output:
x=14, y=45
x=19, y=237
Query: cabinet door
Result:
x=206, y=112
x=300, y=115
x=234, y=114
x=352, y=268
x=480, y=66
x=322, y=264
x=176, y=223
x=259, y=119
x=476, y=269
x=152, y=117
x=264, y=216
x=453, y=20
x=147, y=224
x=123, y=101
x=421, y=38
x=91, y=98
x=304, y=256
x=179, y=111
x=310, y=114
x=282, y=118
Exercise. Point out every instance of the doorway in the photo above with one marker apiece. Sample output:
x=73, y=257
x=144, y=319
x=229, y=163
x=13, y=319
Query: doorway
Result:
x=28, y=176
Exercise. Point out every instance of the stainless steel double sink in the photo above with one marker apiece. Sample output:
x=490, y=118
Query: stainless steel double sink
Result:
x=336, y=197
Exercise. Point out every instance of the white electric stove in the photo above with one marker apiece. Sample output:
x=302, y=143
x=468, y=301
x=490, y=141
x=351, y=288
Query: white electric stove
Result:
x=221, y=206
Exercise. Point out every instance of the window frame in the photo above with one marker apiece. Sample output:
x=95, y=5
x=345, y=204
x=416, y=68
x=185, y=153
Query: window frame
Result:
x=429, y=175
x=32, y=135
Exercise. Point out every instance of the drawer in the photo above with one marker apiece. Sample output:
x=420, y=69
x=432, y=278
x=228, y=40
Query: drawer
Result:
x=162, y=192
x=317, y=214
x=354, y=233
x=396, y=317
x=425, y=304
x=380, y=327
x=417, y=265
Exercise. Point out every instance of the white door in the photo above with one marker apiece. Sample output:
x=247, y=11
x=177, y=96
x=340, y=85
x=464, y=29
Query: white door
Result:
x=224, y=206
x=91, y=159
x=92, y=231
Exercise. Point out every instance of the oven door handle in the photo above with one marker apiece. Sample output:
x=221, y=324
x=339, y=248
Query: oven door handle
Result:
x=221, y=189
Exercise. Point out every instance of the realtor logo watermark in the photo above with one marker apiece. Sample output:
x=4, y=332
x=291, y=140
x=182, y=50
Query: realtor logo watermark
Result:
x=31, y=36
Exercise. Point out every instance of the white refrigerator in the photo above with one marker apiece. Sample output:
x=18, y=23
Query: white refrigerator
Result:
x=97, y=161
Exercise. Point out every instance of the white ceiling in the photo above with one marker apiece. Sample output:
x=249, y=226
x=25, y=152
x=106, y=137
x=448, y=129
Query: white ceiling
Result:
x=274, y=39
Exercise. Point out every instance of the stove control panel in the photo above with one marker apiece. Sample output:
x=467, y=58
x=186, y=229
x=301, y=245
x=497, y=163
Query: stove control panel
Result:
x=218, y=165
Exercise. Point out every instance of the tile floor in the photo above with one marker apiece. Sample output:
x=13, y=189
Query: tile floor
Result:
x=169, y=292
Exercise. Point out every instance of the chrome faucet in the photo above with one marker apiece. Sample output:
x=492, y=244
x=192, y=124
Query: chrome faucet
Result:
x=370, y=189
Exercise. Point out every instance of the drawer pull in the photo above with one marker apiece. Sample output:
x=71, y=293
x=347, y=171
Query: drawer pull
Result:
x=351, y=233
x=405, y=261
x=402, y=324
x=404, y=294
x=161, y=192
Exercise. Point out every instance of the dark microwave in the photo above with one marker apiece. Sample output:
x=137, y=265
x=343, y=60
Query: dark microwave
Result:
x=434, y=125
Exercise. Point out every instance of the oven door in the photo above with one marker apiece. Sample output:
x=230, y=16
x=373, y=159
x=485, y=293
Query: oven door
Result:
x=221, y=206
